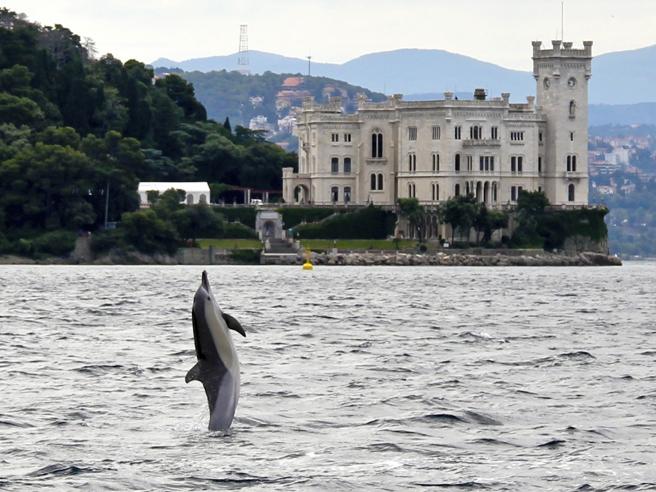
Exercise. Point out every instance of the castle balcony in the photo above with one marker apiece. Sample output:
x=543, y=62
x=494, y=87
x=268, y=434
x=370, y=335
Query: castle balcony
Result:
x=482, y=142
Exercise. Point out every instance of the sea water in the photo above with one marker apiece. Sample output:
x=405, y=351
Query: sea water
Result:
x=353, y=378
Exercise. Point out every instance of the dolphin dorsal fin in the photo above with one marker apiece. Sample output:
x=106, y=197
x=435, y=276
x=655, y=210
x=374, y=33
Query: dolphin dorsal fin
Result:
x=233, y=324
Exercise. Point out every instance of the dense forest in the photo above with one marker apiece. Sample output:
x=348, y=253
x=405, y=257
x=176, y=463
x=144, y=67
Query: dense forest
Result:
x=76, y=129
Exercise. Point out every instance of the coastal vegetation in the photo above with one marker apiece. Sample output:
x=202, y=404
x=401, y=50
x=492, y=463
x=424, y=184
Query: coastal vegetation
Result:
x=77, y=133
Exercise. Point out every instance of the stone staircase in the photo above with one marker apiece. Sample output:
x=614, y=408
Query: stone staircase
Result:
x=279, y=252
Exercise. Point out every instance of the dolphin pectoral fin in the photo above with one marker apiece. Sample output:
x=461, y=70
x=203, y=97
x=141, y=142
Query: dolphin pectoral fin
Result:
x=233, y=324
x=195, y=373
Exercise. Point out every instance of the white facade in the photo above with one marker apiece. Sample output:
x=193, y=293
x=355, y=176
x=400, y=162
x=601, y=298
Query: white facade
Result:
x=434, y=150
x=195, y=192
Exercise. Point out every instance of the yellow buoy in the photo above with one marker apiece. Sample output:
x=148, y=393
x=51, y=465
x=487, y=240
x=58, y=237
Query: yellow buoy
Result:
x=308, y=260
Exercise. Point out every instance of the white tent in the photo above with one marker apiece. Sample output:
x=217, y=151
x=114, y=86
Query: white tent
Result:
x=196, y=192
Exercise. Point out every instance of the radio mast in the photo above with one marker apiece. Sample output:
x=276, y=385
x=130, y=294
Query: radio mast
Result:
x=242, y=57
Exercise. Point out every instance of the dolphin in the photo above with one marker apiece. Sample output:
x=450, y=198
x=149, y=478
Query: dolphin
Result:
x=218, y=366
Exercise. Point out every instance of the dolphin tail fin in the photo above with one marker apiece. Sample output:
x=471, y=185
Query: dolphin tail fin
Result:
x=233, y=324
x=195, y=373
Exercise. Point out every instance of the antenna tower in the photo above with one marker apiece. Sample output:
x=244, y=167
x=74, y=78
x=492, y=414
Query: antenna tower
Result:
x=242, y=57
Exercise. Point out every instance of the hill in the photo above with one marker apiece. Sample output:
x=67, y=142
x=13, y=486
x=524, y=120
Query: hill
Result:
x=624, y=77
x=265, y=101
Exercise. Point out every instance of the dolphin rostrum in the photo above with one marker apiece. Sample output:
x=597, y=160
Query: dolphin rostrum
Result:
x=217, y=367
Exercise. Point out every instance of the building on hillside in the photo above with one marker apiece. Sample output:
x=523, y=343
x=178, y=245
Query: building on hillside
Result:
x=435, y=150
x=195, y=192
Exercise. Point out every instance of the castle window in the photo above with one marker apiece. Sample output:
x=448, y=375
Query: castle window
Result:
x=377, y=145
x=334, y=137
x=457, y=163
x=457, y=190
x=347, y=194
x=436, y=133
x=571, y=163
x=470, y=162
x=539, y=165
x=334, y=165
x=380, y=182
x=571, y=136
x=412, y=162
x=372, y=186
x=516, y=136
x=347, y=165
x=513, y=164
x=475, y=132
x=491, y=163
x=457, y=133
x=571, y=193
x=436, y=162
x=540, y=136
x=412, y=133
x=480, y=163
x=520, y=161
x=334, y=194
x=347, y=137
x=436, y=192
x=572, y=109
x=513, y=193
x=494, y=133
x=412, y=192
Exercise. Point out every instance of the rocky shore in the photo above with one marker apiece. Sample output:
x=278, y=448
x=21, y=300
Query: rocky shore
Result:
x=538, y=258
x=368, y=258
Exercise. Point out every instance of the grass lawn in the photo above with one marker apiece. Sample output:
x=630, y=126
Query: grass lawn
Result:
x=357, y=244
x=230, y=243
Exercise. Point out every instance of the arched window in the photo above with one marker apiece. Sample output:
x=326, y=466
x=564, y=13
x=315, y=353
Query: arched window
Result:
x=203, y=199
x=380, y=181
x=457, y=163
x=377, y=144
x=347, y=194
x=334, y=165
x=571, y=193
x=347, y=165
x=373, y=183
x=569, y=163
x=334, y=194
x=573, y=163
x=190, y=199
x=457, y=190
x=572, y=109
x=436, y=192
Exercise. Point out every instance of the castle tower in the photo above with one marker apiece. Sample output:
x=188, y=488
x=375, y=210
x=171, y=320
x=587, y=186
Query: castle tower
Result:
x=562, y=75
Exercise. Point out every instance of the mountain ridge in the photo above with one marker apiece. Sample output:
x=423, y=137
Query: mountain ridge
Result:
x=622, y=77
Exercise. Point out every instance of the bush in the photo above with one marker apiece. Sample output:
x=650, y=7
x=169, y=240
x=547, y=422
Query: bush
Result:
x=55, y=243
x=245, y=215
x=104, y=241
x=235, y=230
x=367, y=223
x=292, y=217
x=148, y=233
x=249, y=256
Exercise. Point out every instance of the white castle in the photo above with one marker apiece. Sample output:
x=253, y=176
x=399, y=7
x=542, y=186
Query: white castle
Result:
x=435, y=150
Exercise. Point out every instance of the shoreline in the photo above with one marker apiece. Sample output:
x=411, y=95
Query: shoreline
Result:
x=364, y=258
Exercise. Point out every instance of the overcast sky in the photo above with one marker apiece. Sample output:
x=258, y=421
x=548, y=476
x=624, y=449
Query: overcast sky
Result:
x=498, y=31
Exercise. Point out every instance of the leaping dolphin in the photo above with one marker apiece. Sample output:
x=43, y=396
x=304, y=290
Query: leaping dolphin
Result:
x=218, y=366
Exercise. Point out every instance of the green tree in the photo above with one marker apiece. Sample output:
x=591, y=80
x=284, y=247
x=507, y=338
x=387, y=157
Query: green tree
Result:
x=148, y=233
x=414, y=213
